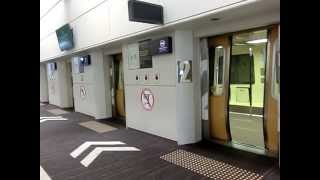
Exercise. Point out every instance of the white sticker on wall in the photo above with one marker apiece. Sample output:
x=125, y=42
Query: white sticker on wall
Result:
x=184, y=71
x=83, y=92
x=147, y=99
x=133, y=57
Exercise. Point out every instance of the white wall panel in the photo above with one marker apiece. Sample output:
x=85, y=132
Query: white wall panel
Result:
x=173, y=115
x=91, y=28
x=45, y=5
x=161, y=121
x=56, y=18
x=179, y=9
x=103, y=21
x=49, y=47
x=60, y=93
x=96, y=102
x=78, y=7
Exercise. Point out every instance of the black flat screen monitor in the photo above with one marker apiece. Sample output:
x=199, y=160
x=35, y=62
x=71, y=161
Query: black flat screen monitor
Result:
x=140, y=11
x=85, y=60
x=65, y=37
x=161, y=46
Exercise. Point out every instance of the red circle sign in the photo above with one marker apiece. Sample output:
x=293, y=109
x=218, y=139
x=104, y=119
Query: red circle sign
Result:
x=147, y=99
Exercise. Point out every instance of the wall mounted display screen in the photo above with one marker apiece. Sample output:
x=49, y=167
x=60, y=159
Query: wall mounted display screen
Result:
x=85, y=60
x=140, y=11
x=144, y=54
x=53, y=66
x=240, y=69
x=161, y=46
x=65, y=37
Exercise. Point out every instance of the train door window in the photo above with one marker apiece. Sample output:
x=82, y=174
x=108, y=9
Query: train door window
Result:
x=219, y=48
x=218, y=77
x=247, y=88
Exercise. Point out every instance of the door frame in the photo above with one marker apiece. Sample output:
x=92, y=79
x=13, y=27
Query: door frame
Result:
x=114, y=85
x=267, y=28
x=267, y=85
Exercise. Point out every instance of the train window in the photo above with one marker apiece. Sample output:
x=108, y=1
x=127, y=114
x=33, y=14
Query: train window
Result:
x=218, y=77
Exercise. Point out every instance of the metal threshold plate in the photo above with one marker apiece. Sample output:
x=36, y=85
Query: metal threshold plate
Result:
x=208, y=167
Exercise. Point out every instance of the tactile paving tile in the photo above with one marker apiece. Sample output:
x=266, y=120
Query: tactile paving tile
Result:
x=57, y=111
x=208, y=167
x=98, y=127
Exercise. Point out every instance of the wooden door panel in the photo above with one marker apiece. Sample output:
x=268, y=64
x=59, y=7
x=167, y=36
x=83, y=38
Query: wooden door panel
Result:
x=271, y=108
x=218, y=104
x=218, y=118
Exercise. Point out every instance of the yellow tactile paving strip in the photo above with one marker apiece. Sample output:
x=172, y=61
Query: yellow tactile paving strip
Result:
x=209, y=167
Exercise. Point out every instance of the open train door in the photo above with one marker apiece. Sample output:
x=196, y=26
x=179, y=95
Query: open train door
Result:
x=273, y=92
x=219, y=50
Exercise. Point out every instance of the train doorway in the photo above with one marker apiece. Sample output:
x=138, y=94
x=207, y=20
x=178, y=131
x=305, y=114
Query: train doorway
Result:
x=117, y=87
x=246, y=88
x=238, y=95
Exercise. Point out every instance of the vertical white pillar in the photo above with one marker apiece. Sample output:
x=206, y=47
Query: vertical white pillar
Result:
x=188, y=122
x=101, y=86
x=64, y=84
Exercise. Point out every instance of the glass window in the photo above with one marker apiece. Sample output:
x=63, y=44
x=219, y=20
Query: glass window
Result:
x=247, y=69
x=218, y=76
x=241, y=65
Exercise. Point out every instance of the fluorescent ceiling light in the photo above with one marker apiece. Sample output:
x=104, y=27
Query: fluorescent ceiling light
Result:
x=219, y=47
x=257, y=41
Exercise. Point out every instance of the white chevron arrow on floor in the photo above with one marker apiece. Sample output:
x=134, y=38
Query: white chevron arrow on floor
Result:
x=87, y=144
x=98, y=150
x=43, y=174
x=52, y=118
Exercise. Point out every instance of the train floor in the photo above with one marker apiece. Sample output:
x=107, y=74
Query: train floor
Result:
x=74, y=146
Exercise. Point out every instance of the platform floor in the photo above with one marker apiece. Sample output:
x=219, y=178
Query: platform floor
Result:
x=58, y=138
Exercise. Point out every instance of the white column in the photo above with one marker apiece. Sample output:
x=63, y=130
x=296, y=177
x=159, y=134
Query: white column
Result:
x=188, y=118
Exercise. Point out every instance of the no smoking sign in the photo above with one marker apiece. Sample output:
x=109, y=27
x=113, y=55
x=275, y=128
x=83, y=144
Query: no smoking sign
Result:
x=147, y=99
x=83, y=92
